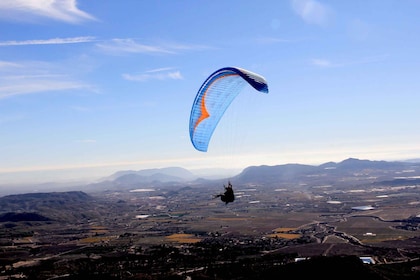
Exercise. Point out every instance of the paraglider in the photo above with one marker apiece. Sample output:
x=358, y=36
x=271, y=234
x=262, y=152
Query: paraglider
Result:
x=228, y=196
x=214, y=97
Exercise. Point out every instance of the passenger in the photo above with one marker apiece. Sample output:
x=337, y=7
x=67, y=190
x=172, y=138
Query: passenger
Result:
x=228, y=196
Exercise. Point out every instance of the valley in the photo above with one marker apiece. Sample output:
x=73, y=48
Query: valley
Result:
x=169, y=229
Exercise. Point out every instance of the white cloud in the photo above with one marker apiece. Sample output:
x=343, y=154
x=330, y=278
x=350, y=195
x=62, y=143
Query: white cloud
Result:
x=54, y=41
x=312, y=11
x=27, y=10
x=155, y=74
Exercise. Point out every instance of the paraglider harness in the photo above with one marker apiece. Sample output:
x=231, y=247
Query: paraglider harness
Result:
x=228, y=196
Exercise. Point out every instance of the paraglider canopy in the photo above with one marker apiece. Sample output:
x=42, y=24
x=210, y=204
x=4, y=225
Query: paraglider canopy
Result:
x=214, y=97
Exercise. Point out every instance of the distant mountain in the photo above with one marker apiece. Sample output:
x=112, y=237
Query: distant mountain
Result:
x=167, y=174
x=272, y=174
x=415, y=160
x=366, y=171
x=353, y=163
x=349, y=171
x=157, y=177
x=287, y=175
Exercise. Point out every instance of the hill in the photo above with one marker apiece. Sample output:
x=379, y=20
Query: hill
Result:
x=18, y=217
x=59, y=206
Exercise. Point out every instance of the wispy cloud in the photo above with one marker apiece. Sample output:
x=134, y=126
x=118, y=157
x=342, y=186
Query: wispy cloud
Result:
x=326, y=63
x=131, y=46
x=53, y=41
x=7, y=65
x=128, y=45
x=312, y=11
x=29, y=10
x=187, y=47
x=21, y=78
x=29, y=85
x=155, y=74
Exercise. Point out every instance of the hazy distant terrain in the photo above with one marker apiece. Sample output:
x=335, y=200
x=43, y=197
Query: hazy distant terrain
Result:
x=291, y=175
x=166, y=223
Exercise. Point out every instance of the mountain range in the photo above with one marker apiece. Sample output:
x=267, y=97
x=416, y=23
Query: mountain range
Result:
x=328, y=173
x=277, y=175
x=350, y=171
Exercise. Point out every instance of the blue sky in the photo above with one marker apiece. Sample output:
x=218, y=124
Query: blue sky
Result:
x=89, y=88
